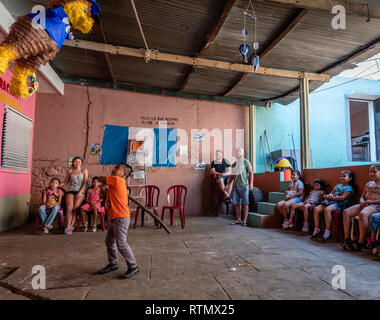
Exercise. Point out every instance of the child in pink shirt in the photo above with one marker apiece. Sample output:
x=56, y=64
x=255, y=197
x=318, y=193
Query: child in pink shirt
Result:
x=92, y=205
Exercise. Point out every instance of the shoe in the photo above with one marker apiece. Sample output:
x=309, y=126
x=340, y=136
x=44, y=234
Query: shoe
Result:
x=305, y=228
x=131, y=272
x=376, y=250
x=347, y=245
x=325, y=239
x=244, y=224
x=357, y=246
x=45, y=230
x=109, y=268
x=236, y=222
x=291, y=225
x=371, y=243
x=285, y=225
x=50, y=227
x=85, y=226
x=94, y=229
x=69, y=230
x=316, y=235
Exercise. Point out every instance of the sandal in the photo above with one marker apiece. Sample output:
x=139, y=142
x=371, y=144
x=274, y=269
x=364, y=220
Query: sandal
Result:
x=244, y=224
x=236, y=222
x=85, y=226
x=357, y=246
x=347, y=245
x=94, y=228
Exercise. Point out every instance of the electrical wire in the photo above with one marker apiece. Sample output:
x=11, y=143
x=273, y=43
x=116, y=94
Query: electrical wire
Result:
x=341, y=84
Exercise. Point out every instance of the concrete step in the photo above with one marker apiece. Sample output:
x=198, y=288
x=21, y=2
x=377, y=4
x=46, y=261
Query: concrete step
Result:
x=266, y=208
x=284, y=185
x=275, y=197
x=259, y=220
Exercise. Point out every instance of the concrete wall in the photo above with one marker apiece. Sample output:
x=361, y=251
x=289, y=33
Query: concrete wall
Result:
x=61, y=131
x=14, y=185
x=329, y=120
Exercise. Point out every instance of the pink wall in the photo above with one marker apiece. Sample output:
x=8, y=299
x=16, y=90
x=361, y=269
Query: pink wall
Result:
x=61, y=131
x=11, y=182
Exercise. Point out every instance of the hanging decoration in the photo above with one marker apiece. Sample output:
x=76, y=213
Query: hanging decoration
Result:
x=245, y=49
x=30, y=46
x=33, y=85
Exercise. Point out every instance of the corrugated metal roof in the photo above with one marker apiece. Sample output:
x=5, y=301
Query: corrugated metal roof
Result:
x=182, y=27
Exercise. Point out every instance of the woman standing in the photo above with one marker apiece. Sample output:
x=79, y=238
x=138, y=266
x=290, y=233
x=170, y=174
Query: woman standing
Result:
x=76, y=178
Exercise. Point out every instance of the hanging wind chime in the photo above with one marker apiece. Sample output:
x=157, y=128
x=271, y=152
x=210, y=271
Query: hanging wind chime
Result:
x=245, y=49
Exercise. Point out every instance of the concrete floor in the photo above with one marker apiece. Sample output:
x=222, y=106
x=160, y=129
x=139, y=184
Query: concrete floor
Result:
x=200, y=262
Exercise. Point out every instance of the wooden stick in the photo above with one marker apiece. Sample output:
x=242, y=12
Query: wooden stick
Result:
x=270, y=155
x=262, y=146
x=150, y=213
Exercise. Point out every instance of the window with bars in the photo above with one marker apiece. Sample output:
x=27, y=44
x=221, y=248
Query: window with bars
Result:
x=16, y=140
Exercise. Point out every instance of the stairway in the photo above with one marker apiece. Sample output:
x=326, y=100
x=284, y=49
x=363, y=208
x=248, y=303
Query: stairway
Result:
x=267, y=216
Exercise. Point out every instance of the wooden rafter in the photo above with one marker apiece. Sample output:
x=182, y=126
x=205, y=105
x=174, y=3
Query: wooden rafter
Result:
x=106, y=55
x=353, y=9
x=210, y=38
x=282, y=35
x=175, y=58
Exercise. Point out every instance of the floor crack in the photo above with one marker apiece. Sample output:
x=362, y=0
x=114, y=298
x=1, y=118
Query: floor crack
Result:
x=20, y=292
x=224, y=290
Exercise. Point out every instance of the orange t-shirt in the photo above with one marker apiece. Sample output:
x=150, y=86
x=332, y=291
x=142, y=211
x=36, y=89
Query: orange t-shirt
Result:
x=118, y=197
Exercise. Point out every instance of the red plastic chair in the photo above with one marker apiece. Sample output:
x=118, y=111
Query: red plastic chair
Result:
x=60, y=214
x=152, y=194
x=179, y=199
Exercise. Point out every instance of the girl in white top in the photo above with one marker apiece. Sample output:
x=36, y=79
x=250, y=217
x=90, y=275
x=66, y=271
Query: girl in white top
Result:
x=293, y=195
x=76, y=177
x=314, y=198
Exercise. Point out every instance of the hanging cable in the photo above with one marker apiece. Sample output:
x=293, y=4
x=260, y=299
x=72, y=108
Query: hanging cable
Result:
x=341, y=84
x=147, y=50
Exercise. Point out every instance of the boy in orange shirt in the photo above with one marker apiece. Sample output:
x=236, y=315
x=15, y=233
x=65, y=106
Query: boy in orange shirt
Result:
x=119, y=222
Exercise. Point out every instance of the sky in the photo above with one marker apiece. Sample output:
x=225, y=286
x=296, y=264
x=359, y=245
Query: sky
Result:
x=369, y=69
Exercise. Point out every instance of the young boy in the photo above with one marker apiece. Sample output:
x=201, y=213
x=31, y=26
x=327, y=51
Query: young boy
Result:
x=118, y=212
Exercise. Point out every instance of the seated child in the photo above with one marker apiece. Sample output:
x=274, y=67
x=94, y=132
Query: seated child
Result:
x=336, y=200
x=293, y=195
x=314, y=198
x=92, y=205
x=373, y=227
x=369, y=205
x=51, y=204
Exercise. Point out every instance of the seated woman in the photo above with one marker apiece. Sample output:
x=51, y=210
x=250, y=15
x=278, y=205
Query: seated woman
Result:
x=221, y=168
x=76, y=177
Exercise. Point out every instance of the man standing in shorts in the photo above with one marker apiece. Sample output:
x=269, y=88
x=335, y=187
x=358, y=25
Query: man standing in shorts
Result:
x=242, y=177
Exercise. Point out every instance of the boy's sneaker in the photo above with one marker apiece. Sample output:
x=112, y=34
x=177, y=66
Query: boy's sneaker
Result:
x=131, y=272
x=305, y=228
x=45, y=230
x=285, y=225
x=290, y=224
x=109, y=268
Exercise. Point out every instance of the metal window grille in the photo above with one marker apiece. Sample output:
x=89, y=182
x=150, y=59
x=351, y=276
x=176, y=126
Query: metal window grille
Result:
x=16, y=139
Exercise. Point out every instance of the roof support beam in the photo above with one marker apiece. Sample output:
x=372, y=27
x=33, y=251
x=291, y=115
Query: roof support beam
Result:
x=211, y=37
x=174, y=58
x=281, y=36
x=106, y=55
x=353, y=9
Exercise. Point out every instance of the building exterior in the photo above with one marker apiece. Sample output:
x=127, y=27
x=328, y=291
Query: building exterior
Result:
x=343, y=113
x=16, y=123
